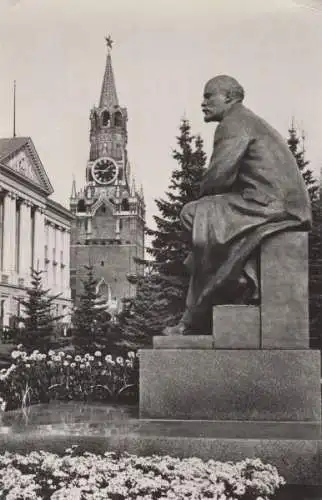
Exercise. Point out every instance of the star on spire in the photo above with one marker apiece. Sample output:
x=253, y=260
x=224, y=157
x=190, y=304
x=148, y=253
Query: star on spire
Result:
x=109, y=42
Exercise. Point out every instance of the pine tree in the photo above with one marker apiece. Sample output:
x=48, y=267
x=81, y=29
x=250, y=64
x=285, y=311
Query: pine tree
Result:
x=296, y=145
x=37, y=322
x=160, y=298
x=315, y=276
x=92, y=329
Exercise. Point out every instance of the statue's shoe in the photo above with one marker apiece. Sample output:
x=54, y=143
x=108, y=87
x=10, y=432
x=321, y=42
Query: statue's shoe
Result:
x=179, y=329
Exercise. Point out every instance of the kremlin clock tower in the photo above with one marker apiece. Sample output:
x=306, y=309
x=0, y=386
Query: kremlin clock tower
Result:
x=108, y=230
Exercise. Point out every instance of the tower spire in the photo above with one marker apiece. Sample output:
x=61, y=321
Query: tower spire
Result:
x=73, y=193
x=108, y=97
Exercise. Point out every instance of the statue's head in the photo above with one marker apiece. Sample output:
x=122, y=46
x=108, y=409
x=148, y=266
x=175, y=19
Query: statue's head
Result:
x=220, y=94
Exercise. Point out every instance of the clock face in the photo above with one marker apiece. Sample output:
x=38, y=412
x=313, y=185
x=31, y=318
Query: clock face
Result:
x=104, y=170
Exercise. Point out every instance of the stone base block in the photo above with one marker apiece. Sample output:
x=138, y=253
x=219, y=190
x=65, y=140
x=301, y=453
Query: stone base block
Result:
x=256, y=385
x=284, y=291
x=236, y=327
x=183, y=342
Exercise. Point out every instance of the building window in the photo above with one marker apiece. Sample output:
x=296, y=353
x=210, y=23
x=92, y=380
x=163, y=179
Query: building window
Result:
x=54, y=275
x=17, y=245
x=1, y=312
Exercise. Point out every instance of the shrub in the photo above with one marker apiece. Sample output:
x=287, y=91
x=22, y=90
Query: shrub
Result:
x=120, y=477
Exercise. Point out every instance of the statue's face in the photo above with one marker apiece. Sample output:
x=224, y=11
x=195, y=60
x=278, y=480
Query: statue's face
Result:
x=215, y=103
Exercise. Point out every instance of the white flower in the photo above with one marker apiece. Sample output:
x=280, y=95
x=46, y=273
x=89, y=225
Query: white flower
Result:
x=120, y=360
x=72, y=365
x=108, y=358
x=131, y=354
x=78, y=358
x=98, y=354
x=15, y=354
x=66, y=363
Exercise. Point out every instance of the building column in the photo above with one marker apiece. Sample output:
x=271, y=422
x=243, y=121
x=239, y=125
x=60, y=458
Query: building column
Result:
x=50, y=256
x=25, y=241
x=39, y=250
x=8, y=264
x=67, y=264
x=58, y=248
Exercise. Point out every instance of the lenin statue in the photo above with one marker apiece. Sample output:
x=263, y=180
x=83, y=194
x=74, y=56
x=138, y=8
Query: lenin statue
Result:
x=252, y=189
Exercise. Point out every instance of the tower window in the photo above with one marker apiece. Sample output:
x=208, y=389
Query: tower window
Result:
x=118, y=119
x=105, y=118
x=102, y=263
x=125, y=205
x=81, y=206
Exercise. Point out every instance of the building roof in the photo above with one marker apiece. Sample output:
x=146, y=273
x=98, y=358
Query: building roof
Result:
x=11, y=144
x=60, y=209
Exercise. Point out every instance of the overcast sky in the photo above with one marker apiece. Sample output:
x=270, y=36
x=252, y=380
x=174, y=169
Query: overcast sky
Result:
x=164, y=52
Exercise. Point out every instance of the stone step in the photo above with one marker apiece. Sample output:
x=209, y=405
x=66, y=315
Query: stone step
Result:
x=183, y=342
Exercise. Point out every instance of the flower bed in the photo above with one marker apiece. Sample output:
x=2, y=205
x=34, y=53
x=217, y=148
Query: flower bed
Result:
x=85, y=476
x=40, y=377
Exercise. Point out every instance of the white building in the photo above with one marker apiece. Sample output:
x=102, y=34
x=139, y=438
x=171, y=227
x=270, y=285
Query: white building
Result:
x=34, y=229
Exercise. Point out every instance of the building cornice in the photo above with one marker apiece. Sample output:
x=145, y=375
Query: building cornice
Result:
x=59, y=209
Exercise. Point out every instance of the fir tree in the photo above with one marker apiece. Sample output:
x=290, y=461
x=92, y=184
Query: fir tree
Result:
x=315, y=276
x=296, y=145
x=91, y=321
x=160, y=298
x=170, y=244
x=37, y=322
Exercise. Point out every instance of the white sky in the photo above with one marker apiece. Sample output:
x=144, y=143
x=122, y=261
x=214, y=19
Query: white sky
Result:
x=164, y=52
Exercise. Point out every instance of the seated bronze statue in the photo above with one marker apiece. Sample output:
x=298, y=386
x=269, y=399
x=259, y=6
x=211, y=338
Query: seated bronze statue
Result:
x=252, y=189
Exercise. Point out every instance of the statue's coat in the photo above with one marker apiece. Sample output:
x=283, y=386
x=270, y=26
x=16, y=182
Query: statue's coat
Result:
x=251, y=189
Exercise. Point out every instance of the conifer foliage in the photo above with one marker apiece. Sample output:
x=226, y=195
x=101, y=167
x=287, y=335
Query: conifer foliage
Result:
x=91, y=322
x=160, y=297
x=296, y=145
x=170, y=244
x=37, y=321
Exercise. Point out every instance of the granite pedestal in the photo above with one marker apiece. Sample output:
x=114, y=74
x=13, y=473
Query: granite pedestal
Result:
x=255, y=370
